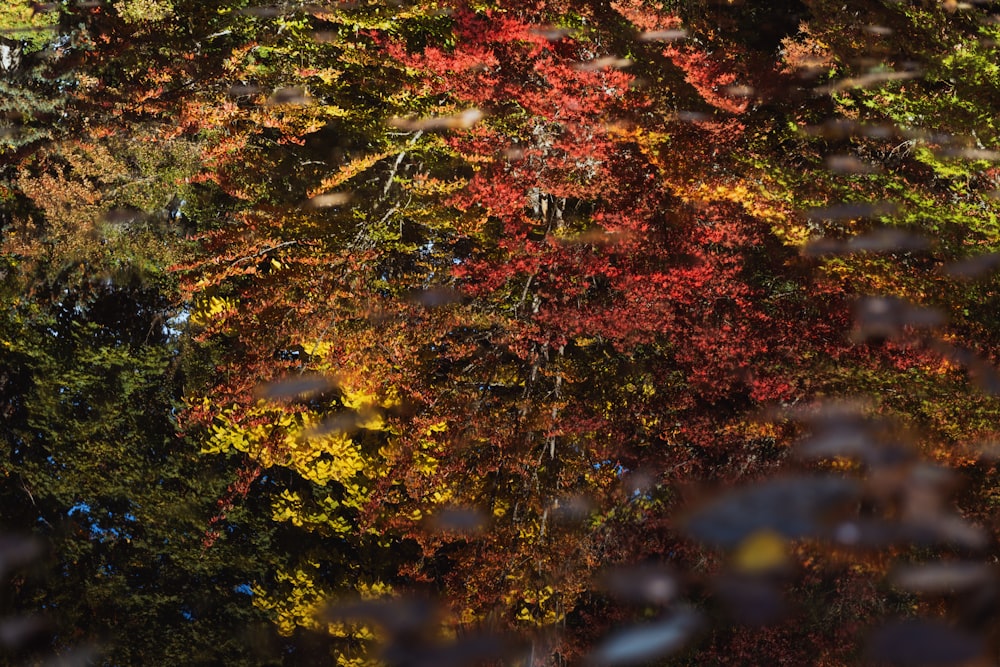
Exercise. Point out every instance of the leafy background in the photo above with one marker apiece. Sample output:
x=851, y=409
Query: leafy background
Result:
x=624, y=332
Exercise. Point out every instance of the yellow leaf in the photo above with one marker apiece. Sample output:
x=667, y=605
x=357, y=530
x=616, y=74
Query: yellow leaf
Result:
x=761, y=551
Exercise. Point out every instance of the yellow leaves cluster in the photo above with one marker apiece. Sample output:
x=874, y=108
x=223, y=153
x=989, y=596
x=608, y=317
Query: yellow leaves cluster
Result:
x=752, y=429
x=500, y=508
x=540, y=607
x=428, y=186
x=736, y=192
x=344, y=466
x=226, y=436
x=650, y=142
x=308, y=598
x=297, y=120
x=762, y=551
x=210, y=308
x=348, y=171
x=291, y=507
x=301, y=605
x=275, y=435
x=332, y=458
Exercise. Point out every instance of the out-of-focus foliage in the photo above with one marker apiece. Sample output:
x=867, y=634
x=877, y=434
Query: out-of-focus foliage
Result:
x=479, y=300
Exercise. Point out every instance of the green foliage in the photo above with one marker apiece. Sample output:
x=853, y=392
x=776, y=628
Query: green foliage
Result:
x=32, y=110
x=20, y=19
x=141, y=11
x=93, y=465
x=958, y=93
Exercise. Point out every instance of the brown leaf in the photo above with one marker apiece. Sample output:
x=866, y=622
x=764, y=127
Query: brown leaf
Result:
x=841, y=428
x=944, y=529
x=598, y=237
x=123, y=216
x=883, y=239
x=242, y=90
x=973, y=267
x=642, y=584
x=884, y=317
x=436, y=296
x=460, y=121
x=465, y=520
x=751, y=600
x=17, y=551
x=968, y=153
x=942, y=577
x=551, y=33
x=347, y=422
x=852, y=211
x=330, y=199
x=18, y=630
x=887, y=239
x=838, y=129
x=739, y=91
x=263, y=12
x=663, y=35
x=848, y=164
x=467, y=650
x=603, y=63
x=693, y=117
x=867, y=80
x=845, y=441
x=571, y=509
x=79, y=656
x=399, y=616
x=294, y=387
x=293, y=95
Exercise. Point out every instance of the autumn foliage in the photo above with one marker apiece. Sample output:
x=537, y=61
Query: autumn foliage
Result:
x=552, y=331
x=557, y=317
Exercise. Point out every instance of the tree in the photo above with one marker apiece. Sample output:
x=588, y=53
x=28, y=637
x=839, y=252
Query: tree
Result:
x=91, y=455
x=93, y=465
x=567, y=281
x=578, y=336
x=482, y=297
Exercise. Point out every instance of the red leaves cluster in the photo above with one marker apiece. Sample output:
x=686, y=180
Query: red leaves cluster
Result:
x=710, y=77
x=585, y=250
x=619, y=312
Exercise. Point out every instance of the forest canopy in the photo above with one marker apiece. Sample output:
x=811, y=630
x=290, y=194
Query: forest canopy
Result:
x=529, y=333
